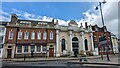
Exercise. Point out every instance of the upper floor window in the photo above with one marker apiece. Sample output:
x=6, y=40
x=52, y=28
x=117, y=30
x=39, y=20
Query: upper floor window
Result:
x=95, y=38
x=20, y=35
x=1, y=39
x=33, y=35
x=26, y=35
x=45, y=35
x=39, y=35
x=51, y=35
x=10, y=35
x=2, y=29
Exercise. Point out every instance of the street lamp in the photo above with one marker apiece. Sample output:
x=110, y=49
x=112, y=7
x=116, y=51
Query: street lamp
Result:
x=97, y=7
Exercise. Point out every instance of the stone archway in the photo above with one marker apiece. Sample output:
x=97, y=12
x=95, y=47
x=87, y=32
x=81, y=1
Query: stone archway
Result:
x=75, y=45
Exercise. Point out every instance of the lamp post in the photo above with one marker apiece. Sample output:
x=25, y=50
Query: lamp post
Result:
x=97, y=7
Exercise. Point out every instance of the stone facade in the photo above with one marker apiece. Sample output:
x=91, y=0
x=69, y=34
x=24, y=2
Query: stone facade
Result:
x=72, y=39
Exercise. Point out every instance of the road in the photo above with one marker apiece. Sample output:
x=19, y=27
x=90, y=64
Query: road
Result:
x=61, y=64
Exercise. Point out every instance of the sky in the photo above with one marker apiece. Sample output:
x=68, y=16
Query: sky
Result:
x=64, y=12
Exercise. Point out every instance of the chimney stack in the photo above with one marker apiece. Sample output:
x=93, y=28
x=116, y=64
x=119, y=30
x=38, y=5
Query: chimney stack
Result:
x=14, y=18
x=86, y=26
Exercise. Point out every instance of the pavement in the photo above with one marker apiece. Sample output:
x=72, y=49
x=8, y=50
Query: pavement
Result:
x=91, y=60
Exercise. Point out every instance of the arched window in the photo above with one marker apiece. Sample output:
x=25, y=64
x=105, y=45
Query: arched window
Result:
x=75, y=44
x=63, y=44
x=86, y=44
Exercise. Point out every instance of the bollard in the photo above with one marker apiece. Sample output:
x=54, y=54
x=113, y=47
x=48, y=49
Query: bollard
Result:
x=24, y=57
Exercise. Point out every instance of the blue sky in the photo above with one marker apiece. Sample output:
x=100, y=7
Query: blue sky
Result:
x=64, y=12
x=60, y=10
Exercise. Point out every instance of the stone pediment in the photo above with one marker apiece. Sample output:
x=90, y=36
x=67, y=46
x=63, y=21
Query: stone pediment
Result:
x=72, y=22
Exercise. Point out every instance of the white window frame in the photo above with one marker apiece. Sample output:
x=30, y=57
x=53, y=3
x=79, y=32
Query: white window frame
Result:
x=39, y=35
x=10, y=37
x=43, y=49
x=31, y=49
x=44, y=35
x=37, y=49
x=33, y=35
x=17, y=50
x=24, y=49
x=25, y=35
x=19, y=35
x=51, y=35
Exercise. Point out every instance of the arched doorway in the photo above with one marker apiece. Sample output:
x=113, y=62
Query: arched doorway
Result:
x=86, y=44
x=63, y=44
x=75, y=44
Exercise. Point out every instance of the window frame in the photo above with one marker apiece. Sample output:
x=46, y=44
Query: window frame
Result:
x=37, y=49
x=39, y=35
x=19, y=35
x=26, y=36
x=19, y=49
x=33, y=35
x=45, y=35
x=26, y=49
x=44, y=51
x=51, y=35
x=31, y=48
x=10, y=37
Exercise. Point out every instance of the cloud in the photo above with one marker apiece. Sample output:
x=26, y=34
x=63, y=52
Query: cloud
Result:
x=4, y=16
x=110, y=13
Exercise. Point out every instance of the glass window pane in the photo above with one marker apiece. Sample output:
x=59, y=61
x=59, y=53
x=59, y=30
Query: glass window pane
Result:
x=19, y=50
x=39, y=35
x=33, y=35
x=32, y=48
x=19, y=35
x=26, y=35
x=10, y=35
x=44, y=35
x=38, y=48
x=44, y=48
x=51, y=35
x=25, y=48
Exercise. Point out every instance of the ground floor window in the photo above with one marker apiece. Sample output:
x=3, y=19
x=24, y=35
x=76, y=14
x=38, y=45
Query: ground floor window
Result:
x=19, y=49
x=32, y=48
x=25, y=48
x=38, y=48
x=44, y=48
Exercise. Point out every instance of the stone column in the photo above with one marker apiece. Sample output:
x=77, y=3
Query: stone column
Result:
x=83, y=44
x=57, y=41
x=13, y=51
x=91, y=38
x=70, y=40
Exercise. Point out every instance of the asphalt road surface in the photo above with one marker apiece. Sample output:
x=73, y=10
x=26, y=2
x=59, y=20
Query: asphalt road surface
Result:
x=57, y=64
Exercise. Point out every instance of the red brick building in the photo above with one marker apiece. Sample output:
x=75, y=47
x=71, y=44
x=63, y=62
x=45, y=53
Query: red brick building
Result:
x=29, y=37
x=98, y=32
